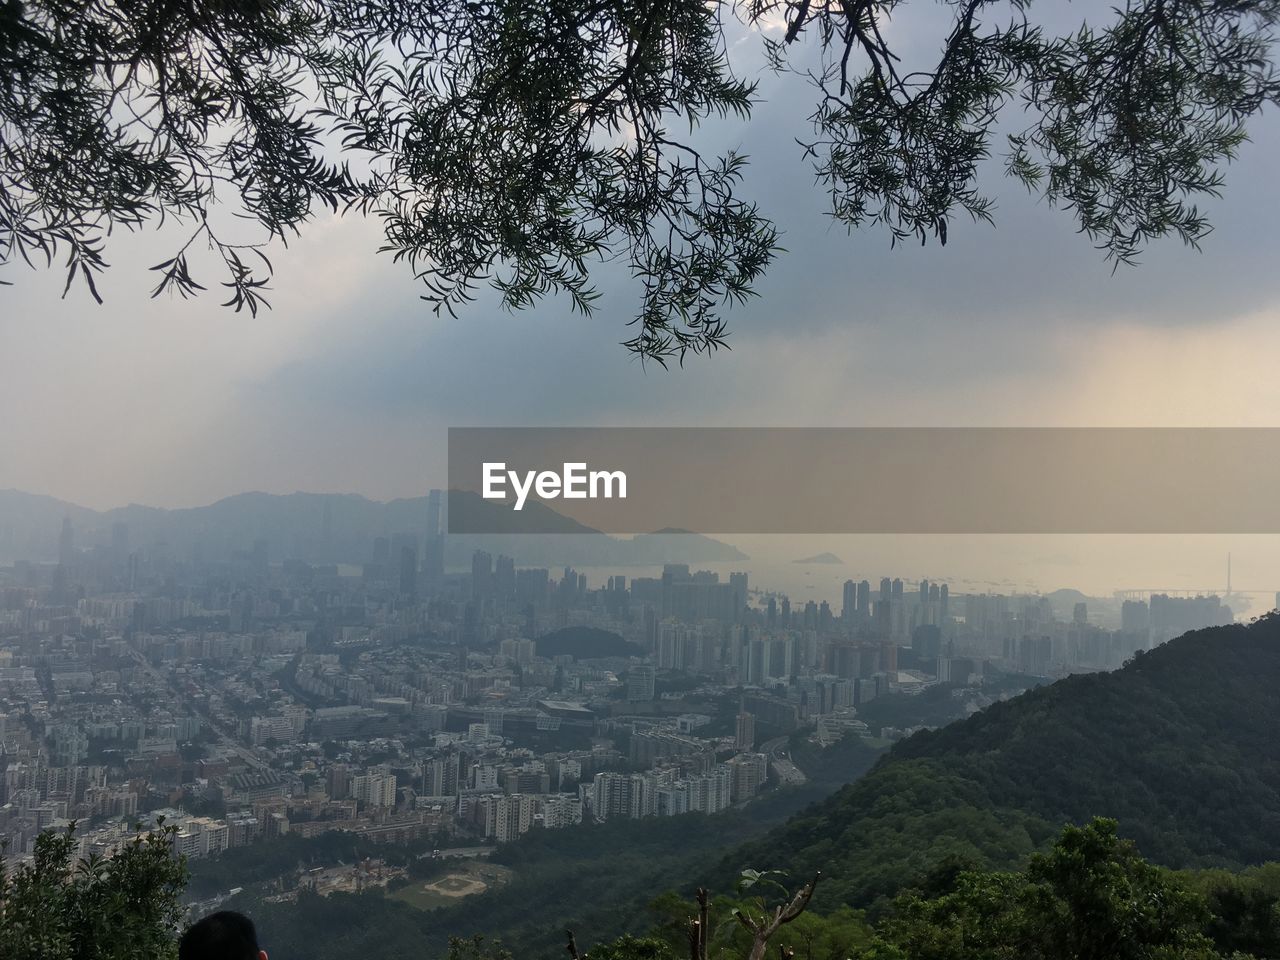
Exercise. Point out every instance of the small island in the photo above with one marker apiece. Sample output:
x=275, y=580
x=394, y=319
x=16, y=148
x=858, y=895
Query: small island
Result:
x=821, y=558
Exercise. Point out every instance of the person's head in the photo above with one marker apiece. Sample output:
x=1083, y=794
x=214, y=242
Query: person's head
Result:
x=225, y=935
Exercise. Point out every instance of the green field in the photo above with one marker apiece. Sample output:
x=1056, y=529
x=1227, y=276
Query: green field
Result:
x=469, y=877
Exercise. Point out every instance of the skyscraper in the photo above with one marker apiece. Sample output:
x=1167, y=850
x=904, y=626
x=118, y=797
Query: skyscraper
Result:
x=745, y=738
x=738, y=584
x=433, y=557
x=504, y=577
x=408, y=572
x=66, y=542
x=864, y=599
x=433, y=513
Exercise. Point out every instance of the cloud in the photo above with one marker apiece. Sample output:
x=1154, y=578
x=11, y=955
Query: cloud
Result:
x=350, y=381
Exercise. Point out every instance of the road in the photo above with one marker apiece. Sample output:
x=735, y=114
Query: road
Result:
x=788, y=772
x=224, y=738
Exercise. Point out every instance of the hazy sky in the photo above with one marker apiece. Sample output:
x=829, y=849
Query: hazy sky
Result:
x=349, y=382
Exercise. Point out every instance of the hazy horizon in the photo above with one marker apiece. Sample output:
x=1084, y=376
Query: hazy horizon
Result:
x=1095, y=564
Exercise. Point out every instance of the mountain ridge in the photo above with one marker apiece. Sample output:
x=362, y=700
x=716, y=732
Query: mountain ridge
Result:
x=330, y=528
x=1177, y=746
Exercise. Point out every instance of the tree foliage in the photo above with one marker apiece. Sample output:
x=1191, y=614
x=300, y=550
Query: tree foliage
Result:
x=522, y=146
x=120, y=907
x=1175, y=747
x=1090, y=896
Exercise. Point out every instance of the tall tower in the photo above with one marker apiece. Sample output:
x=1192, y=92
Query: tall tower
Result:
x=433, y=513
x=66, y=542
x=745, y=738
x=433, y=559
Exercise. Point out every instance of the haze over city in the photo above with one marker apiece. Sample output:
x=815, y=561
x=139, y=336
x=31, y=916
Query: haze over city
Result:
x=260, y=698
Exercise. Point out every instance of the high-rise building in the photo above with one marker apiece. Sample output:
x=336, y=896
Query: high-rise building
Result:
x=750, y=771
x=640, y=686
x=617, y=795
x=1173, y=616
x=408, y=572
x=849, y=604
x=1135, y=617
x=560, y=810
x=673, y=645
x=433, y=514
x=376, y=788
x=338, y=781
x=66, y=542
x=433, y=546
x=746, y=731
x=440, y=776
x=504, y=577
x=738, y=584
x=507, y=818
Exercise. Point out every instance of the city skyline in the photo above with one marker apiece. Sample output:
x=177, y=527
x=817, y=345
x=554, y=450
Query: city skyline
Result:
x=1098, y=565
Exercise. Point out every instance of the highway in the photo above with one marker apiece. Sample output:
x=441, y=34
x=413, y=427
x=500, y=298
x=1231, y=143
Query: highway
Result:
x=788, y=772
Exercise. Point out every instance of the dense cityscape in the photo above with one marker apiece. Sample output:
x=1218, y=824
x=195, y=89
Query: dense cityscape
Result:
x=400, y=701
x=956, y=321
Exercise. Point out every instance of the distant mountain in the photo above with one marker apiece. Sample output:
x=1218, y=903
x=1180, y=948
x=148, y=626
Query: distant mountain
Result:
x=1179, y=746
x=1066, y=596
x=821, y=558
x=332, y=528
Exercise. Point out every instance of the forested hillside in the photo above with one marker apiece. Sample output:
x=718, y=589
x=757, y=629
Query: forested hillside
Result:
x=596, y=878
x=1179, y=746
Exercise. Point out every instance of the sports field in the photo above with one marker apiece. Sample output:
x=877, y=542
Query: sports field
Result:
x=469, y=878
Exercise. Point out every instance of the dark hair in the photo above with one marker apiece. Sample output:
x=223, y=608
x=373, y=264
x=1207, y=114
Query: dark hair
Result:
x=225, y=935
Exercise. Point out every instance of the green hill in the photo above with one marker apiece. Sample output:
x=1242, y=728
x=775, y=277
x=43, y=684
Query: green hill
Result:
x=586, y=643
x=1179, y=746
